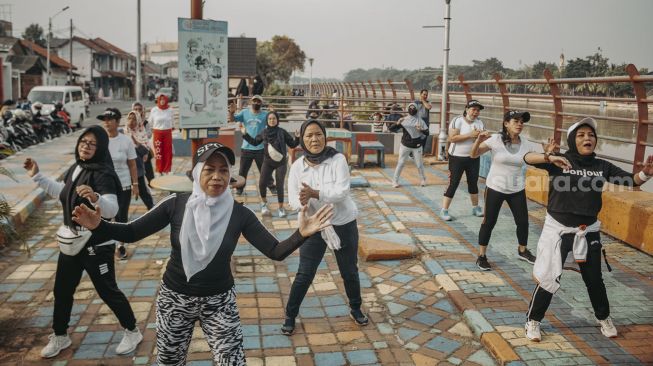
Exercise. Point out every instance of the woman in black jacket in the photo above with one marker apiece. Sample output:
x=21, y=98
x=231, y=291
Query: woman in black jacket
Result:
x=198, y=284
x=275, y=159
x=414, y=130
x=91, y=182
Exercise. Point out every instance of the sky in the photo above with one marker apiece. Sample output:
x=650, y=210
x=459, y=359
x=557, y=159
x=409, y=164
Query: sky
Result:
x=347, y=34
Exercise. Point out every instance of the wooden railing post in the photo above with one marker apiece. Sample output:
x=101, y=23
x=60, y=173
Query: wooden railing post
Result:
x=373, y=89
x=409, y=86
x=382, y=89
x=466, y=89
x=503, y=90
x=394, y=92
x=642, y=117
x=557, y=106
x=364, y=89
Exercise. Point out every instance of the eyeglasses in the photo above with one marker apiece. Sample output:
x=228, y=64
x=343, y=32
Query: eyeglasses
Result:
x=89, y=144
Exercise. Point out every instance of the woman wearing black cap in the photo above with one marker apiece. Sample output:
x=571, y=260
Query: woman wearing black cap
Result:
x=275, y=158
x=319, y=178
x=463, y=130
x=576, y=181
x=89, y=182
x=505, y=182
x=198, y=284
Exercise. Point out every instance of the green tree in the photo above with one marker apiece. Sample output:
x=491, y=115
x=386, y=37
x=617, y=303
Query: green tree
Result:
x=278, y=58
x=34, y=33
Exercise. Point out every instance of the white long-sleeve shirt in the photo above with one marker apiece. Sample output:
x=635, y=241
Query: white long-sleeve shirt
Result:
x=332, y=179
x=161, y=119
x=108, y=203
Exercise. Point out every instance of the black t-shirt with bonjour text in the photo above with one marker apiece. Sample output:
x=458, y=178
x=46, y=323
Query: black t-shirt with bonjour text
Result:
x=575, y=194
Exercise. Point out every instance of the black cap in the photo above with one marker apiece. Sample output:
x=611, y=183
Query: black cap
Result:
x=110, y=113
x=205, y=151
x=525, y=116
x=474, y=103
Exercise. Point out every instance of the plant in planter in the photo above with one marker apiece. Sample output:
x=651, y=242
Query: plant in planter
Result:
x=7, y=231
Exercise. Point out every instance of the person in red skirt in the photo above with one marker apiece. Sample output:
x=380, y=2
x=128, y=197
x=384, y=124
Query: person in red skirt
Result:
x=161, y=119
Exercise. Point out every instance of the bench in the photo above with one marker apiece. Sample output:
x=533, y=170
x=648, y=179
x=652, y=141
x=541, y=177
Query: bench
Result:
x=363, y=146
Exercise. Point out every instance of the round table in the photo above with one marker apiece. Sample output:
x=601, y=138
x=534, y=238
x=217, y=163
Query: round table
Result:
x=181, y=183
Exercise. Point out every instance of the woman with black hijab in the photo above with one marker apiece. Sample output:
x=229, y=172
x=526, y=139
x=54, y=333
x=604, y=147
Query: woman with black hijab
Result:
x=198, y=285
x=275, y=159
x=319, y=178
x=576, y=181
x=92, y=182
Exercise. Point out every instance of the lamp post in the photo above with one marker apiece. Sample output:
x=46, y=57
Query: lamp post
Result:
x=310, y=79
x=139, y=78
x=442, y=137
x=47, y=72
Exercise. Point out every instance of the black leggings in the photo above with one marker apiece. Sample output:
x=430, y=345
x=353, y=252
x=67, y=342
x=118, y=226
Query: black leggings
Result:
x=144, y=194
x=246, y=158
x=459, y=165
x=124, y=199
x=591, y=273
x=265, y=180
x=493, y=202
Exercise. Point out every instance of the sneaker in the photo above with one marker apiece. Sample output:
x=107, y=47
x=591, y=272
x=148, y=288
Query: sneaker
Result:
x=281, y=212
x=395, y=184
x=526, y=255
x=288, y=327
x=265, y=211
x=273, y=190
x=607, y=328
x=129, y=342
x=444, y=215
x=422, y=183
x=482, y=263
x=55, y=345
x=358, y=317
x=122, y=252
x=477, y=211
x=533, y=330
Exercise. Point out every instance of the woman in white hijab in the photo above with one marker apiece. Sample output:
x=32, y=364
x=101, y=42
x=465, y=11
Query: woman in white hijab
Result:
x=198, y=283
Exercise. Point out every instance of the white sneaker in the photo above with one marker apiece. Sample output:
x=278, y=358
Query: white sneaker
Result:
x=55, y=345
x=129, y=342
x=533, y=330
x=607, y=328
x=422, y=183
x=477, y=211
x=281, y=212
x=395, y=184
x=444, y=215
x=265, y=211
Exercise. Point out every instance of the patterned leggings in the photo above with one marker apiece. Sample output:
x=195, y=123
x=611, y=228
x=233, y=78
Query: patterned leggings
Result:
x=176, y=315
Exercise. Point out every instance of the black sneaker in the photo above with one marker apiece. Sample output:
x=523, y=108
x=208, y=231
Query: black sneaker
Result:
x=122, y=252
x=526, y=255
x=273, y=190
x=288, y=327
x=482, y=263
x=358, y=317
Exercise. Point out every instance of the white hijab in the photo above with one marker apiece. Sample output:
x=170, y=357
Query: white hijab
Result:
x=204, y=225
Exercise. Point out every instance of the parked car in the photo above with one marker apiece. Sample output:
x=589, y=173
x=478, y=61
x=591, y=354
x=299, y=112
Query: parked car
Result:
x=72, y=98
x=168, y=92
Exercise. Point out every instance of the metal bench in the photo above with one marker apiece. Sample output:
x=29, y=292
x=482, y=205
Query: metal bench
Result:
x=363, y=146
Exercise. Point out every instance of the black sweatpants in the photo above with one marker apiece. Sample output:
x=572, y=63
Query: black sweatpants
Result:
x=459, y=165
x=246, y=158
x=493, y=202
x=98, y=262
x=124, y=200
x=591, y=272
x=265, y=180
x=149, y=170
x=143, y=193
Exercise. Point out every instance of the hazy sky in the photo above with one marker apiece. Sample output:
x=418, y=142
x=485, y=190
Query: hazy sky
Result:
x=347, y=34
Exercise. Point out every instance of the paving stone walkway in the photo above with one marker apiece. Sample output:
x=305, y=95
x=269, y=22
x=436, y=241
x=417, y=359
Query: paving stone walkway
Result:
x=436, y=308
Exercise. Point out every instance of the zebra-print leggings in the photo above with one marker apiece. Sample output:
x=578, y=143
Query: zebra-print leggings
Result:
x=176, y=315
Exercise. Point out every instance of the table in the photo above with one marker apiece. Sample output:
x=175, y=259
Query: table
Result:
x=371, y=145
x=342, y=135
x=181, y=183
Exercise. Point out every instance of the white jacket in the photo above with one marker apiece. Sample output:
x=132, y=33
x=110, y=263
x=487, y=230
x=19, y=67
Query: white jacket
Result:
x=548, y=265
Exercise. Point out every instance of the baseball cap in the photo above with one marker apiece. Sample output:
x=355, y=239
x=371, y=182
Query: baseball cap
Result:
x=585, y=121
x=474, y=103
x=525, y=116
x=205, y=151
x=256, y=97
x=110, y=113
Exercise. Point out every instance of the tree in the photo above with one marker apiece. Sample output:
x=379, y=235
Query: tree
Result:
x=278, y=58
x=34, y=33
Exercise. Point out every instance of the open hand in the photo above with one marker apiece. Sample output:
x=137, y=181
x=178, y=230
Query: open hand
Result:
x=31, y=167
x=86, y=217
x=86, y=192
x=648, y=166
x=551, y=146
x=483, y=136
x=309, y=225
x=560, y=161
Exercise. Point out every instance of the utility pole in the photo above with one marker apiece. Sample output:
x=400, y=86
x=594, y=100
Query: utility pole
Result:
x=442, y=137
x=310, y=80
x=71, y=52
x=139, y=78
x=47, y=68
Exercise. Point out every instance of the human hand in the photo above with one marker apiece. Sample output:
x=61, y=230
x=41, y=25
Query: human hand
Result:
x=483, y=136
x=474, y=133
x=86, y=217
x=135, y=191
x=31, y=166
x=560, y=161
x=86, y=192
x=306, y=193
x=648, y=166
x=309, y=225
x=551, y=146
x=243, y=130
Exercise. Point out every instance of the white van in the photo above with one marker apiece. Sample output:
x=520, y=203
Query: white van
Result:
x=72, y=98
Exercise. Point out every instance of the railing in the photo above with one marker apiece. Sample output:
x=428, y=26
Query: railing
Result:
x=366, y=92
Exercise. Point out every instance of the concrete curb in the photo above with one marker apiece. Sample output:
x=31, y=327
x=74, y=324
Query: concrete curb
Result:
x=492, y=340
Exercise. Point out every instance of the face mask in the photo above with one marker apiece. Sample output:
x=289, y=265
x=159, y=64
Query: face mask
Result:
x=256, y=106
x=412, y=111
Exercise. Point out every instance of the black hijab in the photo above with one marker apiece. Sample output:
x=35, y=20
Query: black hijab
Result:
x=275, y=135
x=326, y=153
x=572, y=154
x=97, y=172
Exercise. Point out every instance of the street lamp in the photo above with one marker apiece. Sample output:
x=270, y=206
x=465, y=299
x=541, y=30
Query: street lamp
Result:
x=47, y=72
x=442, y=137
x=310, y=80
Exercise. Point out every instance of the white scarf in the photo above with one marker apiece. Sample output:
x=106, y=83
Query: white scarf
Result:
x=204, y=225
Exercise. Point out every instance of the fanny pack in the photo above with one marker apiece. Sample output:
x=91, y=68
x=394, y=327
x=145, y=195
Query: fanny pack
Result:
x=274, y=154
x=72, y=241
